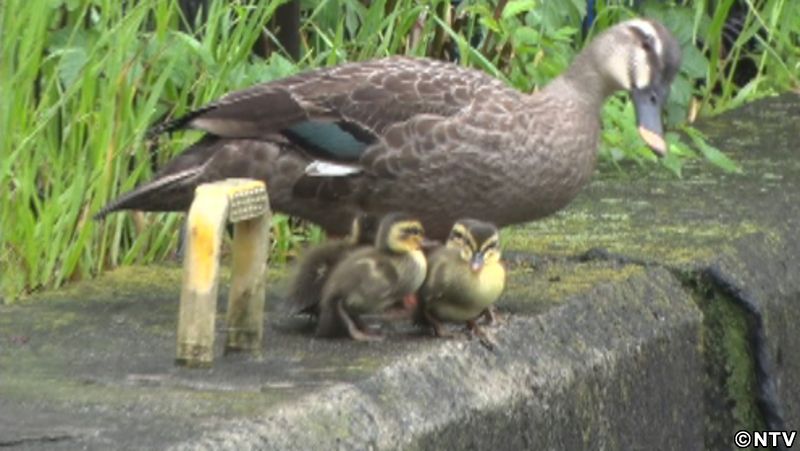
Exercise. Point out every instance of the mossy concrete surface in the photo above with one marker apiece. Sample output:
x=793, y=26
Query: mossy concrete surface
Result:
x=653, y=313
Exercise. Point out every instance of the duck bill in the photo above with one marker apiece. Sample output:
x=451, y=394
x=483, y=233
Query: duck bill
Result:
x=648, y=102
x=476, y=263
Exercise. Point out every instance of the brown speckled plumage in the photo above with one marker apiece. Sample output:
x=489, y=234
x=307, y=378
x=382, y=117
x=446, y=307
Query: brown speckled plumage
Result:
x=427, y=137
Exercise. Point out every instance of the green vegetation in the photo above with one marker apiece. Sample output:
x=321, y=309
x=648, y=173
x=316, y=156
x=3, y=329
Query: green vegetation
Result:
x=82, y=80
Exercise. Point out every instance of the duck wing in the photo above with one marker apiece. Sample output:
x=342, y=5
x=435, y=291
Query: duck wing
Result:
x=336, y=113
x=207, y=160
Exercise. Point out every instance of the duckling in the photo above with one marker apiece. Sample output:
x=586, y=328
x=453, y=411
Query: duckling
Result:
x=402, y=134
x=465, y=277
x=369, y=280
x=316, y=265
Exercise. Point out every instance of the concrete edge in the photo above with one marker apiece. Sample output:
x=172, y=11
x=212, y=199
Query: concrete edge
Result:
x=539, y=360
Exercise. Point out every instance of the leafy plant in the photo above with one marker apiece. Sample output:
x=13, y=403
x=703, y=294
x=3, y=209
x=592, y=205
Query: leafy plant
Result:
x=82, y=80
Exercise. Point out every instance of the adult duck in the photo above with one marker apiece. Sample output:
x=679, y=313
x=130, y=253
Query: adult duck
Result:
x=430, y=138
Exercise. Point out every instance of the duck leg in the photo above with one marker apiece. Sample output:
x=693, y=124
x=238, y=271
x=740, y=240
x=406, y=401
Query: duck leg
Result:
x=439, y=329
x=403, y=309
x=486, y=340
x=355, y=328
x=489, y=316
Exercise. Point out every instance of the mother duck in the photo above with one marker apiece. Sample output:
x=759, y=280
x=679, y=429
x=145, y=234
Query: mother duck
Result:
x=430, y=138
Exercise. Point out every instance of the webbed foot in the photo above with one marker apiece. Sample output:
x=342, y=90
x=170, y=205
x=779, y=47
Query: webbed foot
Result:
x=355, y=328
x=485, y=338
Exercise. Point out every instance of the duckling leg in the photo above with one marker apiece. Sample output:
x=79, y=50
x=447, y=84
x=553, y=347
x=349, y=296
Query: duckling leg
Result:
x=403, y=309
x=484, y=337
x=410, y=302
x=439, y=329
x=353, y=328
x=489, y=316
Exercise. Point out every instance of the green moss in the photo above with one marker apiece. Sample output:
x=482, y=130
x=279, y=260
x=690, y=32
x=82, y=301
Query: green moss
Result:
x=536, y=289
x=125, y=281
x=139, y=281
x=575, y=231
x=730, y=385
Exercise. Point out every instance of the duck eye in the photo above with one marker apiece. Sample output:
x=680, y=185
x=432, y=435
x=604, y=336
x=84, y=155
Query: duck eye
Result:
x=647, y=43
x=456, y=235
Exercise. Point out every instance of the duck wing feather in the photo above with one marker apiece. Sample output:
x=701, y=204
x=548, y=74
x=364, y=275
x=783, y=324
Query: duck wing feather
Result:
x=336, y=113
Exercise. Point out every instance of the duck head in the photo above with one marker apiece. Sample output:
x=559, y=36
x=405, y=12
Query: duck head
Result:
x=477, y=242
x=642, y=57
x=400, y=233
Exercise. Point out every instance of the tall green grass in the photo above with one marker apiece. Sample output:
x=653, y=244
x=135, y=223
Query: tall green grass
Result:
x=81, y=82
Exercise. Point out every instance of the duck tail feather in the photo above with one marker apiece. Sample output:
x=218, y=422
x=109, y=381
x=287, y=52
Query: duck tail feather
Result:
x=154, y=195
x=178, y=123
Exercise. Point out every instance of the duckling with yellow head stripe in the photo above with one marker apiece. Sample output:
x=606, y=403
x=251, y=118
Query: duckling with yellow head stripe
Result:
x=371, y=279
x=465, y=277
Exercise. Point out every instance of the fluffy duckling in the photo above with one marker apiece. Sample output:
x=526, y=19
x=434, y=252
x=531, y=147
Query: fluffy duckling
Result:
x=371, y=279
x=316, y=265
x=465, y=277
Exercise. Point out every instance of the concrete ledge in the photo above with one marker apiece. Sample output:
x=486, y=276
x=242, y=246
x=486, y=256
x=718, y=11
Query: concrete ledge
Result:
x=617, y=359
x=653, y=314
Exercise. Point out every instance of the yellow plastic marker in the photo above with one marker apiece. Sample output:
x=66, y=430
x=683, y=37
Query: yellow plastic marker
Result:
x=243, y=202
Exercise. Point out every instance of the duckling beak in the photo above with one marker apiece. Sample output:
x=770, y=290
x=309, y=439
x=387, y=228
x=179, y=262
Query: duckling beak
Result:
x=476, y=264
x=648, y=102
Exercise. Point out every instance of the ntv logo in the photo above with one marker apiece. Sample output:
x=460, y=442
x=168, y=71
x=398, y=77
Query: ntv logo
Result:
x=764, y=439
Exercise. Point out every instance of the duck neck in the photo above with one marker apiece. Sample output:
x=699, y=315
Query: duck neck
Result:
x=587, y=80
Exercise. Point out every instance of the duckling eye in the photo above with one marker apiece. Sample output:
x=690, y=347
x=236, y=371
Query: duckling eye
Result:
x=456, y=235
x=490, y=246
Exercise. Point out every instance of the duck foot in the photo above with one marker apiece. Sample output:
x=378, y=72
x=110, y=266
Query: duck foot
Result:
x=360, y=335
x=490, y=316
x=493, y=318
x=439, y=329
x=410, y=302
x=401, y=310
x=486, y=339
x=355, y=328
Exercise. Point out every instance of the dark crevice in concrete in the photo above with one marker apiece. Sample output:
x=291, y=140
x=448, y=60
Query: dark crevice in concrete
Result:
x=766, y=397
x=24, y=441
x=730, y=381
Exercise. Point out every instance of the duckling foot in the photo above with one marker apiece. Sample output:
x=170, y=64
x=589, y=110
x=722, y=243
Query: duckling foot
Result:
x=486, y=339
x=439, y=328
x=360, y=335
x=396, y=314
x=355, y=328
x=491, y=317
x=410, y=302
